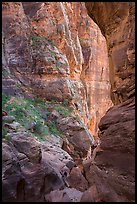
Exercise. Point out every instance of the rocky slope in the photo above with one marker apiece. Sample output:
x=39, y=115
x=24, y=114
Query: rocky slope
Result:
x=56, y=75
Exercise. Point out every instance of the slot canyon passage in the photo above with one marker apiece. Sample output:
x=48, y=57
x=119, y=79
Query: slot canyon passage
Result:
x=68, y=101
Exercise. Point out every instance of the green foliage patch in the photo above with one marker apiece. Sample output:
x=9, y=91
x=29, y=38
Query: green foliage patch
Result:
x=28, y=111
x=37, y=39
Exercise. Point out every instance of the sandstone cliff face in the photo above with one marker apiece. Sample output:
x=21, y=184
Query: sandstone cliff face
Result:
x=16, y=32
x=15, y=49
x=50, y=52
x=117, y=127
x=54, y=51
x=117, y=24
x=59, y=47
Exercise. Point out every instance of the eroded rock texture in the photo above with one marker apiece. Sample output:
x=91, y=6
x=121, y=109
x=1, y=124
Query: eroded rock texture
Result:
x=54, y=51
x=57, y=52
x=114, y=168
x=28, y=171
x=117, y=23
x=16, y=31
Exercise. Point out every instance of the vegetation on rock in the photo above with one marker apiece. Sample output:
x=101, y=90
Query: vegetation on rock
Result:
x=33, y=114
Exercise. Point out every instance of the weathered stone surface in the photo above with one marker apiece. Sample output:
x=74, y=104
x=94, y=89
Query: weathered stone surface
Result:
x=55, y=89
x=28, y=145
x=47, y=59
x=74, y=194
x=8, y=119
x=83, y=46
x=114, y=168
x=117, y=23
x=65, y=195
x=76, y=134
x=56, y=157
x=60, y=25
x=95, y=69
x=57, y=196
x=90, y=195
x=77, y=180
x=16, y=33
x=73, y=47
x=27, y=177
x=54, y=115
x=16, y=57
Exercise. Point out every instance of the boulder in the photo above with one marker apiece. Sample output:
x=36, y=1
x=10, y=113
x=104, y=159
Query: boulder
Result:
x=113, y=170
x=8, y=119
x=57, y=196
x=90, y=195
x=77, y=180
x=25, y=176
x=54, y=115
x=56, y=157
x=27, y=145
x=77, y=135
x=65, y=195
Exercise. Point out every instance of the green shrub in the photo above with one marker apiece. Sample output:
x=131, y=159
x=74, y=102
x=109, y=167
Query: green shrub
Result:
x=28, y=110
x=53, y=128
x=66, y=102
x=41, y=128
x=35, y=39
x=63, y=111
x=4, y=132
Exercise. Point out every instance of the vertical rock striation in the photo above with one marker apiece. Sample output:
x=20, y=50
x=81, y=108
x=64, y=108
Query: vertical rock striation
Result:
x=114, y=168
x=55, y=51
x=117, y=24
x=74, y=49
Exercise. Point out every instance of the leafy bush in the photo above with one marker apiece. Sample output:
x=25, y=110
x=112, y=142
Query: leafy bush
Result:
x=63, y=111
x=53, y=128
x=31, y=110
x=66, y=102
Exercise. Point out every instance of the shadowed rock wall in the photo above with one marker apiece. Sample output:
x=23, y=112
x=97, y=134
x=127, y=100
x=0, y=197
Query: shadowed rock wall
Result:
x=114, y=168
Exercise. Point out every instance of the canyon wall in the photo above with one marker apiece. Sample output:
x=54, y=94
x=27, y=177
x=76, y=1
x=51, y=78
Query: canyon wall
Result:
x=114, y=169
x=117, y=23
x=54, y=51
x=57, y=45
x=55, y=73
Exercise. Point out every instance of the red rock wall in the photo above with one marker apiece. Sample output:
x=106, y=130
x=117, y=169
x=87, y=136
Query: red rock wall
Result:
x=114, y=169
x=61, y=51
x=117, y=23
x=76, y=36
x=55, y=49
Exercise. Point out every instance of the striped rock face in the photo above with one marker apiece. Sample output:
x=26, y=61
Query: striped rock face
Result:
x=81, y=58
x=52, y=44
x=114, y=171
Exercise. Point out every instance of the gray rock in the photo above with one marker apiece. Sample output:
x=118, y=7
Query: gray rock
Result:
x=13, y=126
x=27, y=145
x=54, y=115
x=70, y=164
x=74, y=194
x=31, y=125
x=55, y=156
x=8, y=119
x=65, y=195
x=57, y=196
